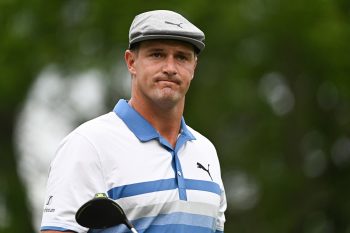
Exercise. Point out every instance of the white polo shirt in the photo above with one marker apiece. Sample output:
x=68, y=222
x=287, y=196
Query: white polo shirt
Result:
x=160, y=188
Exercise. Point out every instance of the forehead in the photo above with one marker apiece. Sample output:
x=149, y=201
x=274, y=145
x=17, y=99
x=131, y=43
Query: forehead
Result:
x=167, y=44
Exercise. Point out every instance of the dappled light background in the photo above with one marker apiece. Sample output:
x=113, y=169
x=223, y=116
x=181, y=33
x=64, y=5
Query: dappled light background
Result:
x=271, y=91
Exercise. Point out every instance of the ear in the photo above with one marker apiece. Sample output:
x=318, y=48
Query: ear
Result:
x=130, y=57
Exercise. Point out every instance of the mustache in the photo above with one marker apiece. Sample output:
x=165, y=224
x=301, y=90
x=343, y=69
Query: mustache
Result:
x=169, y=78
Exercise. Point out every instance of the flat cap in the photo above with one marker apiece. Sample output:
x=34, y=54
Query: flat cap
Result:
x=164, y=24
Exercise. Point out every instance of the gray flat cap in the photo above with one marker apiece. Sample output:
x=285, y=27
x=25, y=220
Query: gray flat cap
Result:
x=164, y=24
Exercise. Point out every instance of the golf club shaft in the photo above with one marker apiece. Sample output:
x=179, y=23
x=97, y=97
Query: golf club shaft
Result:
x=133, y=230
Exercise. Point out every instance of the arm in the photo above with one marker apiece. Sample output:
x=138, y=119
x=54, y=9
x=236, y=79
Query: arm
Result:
x=221, y=213
x=74, y=178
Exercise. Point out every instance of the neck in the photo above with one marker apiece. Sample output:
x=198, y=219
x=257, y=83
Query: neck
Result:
x=166, y=120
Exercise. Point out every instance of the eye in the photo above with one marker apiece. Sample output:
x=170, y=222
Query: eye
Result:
x=156, y=55
x=182, y=58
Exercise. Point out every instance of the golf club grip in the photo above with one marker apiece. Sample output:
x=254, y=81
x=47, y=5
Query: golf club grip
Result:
x=129, y=224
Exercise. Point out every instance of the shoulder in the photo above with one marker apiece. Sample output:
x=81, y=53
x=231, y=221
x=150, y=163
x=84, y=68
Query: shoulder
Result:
x=89, y=140
x=91, y=133
x=202, y=144
x=100, y=123
x=100, y=127
x=200, y=137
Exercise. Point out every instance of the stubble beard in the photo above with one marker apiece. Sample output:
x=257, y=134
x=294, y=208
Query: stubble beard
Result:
x=167, y=98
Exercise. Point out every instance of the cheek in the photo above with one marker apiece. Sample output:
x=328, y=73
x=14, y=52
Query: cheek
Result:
x=187, y=81
x=189, y=74
x=144, y=78
x=190, y=68
x=147, y=68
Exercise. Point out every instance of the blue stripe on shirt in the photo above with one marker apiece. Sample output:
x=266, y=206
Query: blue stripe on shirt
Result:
x=177, y=229
x=174, y=222
x=142, y=188
x=52, y=228
x=172, y=228
x=203, y=185
x=176, y=218
x=161, y=185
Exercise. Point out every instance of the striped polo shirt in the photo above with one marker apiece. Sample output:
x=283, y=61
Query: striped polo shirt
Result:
x=160, y=188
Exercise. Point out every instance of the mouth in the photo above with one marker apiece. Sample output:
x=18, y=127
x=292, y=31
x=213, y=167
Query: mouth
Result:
x=168, y=81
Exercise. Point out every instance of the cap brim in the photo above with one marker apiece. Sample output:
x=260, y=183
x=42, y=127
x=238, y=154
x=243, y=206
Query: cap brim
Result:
x=197, y=43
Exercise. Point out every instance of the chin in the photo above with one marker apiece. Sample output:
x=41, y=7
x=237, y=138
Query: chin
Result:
x=168, y=101
x=168, y=97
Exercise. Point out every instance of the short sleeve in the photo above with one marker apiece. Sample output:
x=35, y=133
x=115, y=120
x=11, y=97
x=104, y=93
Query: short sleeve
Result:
x=75, y=177
x=221, y=213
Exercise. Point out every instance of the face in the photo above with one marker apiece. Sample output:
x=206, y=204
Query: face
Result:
x=161, y=71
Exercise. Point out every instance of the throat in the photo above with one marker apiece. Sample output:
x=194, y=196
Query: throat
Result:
x=166, y=121
x=170, y=136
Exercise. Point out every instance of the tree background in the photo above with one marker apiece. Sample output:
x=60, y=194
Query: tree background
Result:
x=271, y=91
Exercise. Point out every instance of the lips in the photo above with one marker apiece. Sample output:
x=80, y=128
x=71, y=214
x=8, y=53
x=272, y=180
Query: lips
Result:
x=168, y=80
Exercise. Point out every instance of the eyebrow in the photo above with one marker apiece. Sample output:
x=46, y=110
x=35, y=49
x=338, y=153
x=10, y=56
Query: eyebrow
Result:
x=154, y=50
x=185, y=53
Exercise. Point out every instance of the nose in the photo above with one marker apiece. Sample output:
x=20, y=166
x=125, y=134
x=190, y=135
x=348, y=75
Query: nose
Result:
x=169, y=67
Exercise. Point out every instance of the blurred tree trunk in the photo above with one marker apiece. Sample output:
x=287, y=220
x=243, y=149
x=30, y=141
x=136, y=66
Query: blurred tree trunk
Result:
x=13, y=197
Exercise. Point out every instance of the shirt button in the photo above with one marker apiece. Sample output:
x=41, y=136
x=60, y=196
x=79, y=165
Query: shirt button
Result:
x=179, y=173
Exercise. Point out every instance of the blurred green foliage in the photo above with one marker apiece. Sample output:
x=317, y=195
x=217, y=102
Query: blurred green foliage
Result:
x=271, y=91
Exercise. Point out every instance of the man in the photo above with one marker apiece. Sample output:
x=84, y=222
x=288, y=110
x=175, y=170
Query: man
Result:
x=165, y=175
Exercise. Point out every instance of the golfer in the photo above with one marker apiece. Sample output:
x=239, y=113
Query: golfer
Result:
x=164, y=174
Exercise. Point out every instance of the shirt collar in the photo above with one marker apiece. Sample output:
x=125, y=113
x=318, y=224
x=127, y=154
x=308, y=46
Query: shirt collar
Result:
x=142, y=129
